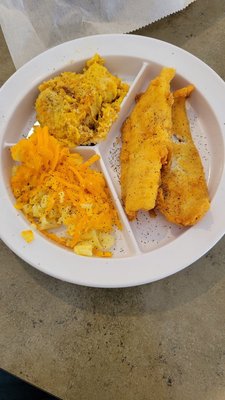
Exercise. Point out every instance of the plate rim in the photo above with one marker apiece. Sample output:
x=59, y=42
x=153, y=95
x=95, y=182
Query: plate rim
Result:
x=108, y=271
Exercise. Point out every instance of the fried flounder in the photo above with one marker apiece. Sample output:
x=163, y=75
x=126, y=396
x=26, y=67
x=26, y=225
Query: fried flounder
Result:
x=183, y=196
x=146, y=144
x=80, y=108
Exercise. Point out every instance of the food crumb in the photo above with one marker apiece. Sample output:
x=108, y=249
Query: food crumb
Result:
x=28, y=236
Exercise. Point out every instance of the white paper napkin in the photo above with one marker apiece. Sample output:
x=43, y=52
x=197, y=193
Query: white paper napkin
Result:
x=32, y=26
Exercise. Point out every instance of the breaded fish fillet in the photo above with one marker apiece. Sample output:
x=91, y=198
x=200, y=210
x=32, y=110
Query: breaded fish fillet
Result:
x=145, y=145
x=183, y=195
x=80, y=108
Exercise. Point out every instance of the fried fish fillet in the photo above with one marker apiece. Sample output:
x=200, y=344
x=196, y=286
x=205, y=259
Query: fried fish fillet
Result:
x=183, y=195
x=145, y=145
x=80, y=108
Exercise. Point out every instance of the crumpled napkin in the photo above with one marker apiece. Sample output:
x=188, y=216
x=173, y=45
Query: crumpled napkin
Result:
x=32, y=26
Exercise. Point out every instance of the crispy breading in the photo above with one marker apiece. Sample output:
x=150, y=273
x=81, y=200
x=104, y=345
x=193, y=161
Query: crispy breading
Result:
x=80, y=108
x=183, y=195
x=145, y=144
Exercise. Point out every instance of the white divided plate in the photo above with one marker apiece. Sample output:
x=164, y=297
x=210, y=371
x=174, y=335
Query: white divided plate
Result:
x=147, y=249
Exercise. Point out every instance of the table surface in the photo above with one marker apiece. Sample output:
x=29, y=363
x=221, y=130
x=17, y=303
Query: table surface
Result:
x=160, y=341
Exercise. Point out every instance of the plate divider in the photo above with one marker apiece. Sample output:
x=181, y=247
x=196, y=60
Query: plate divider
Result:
x=126, y=104
x=129, y=235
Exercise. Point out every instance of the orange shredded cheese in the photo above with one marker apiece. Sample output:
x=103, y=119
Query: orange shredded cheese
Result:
x=55, y=188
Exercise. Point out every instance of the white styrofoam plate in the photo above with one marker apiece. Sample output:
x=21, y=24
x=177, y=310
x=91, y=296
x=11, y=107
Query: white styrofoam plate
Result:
x=147, y=249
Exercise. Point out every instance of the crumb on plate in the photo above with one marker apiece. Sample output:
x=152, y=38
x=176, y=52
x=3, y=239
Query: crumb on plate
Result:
x=28, y=235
